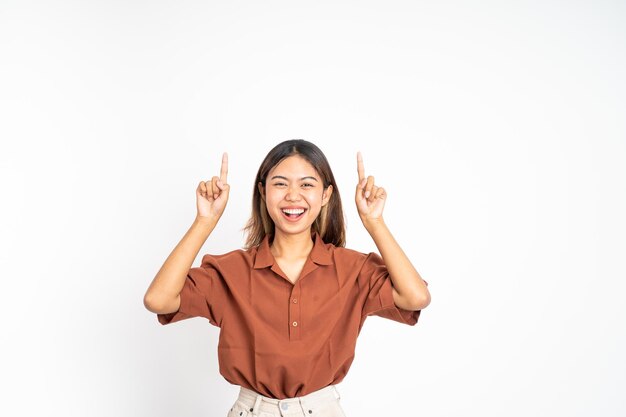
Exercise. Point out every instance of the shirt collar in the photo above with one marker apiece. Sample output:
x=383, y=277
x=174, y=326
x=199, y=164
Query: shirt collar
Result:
x=320, y=254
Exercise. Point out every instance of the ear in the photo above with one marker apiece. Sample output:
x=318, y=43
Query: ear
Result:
x=326, y=195
x=261, y=190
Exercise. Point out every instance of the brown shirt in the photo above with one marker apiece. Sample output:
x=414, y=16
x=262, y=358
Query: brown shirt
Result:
x=281, y=339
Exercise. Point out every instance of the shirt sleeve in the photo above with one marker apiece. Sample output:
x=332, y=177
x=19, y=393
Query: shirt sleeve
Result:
x=194, y=297
x=379, y=300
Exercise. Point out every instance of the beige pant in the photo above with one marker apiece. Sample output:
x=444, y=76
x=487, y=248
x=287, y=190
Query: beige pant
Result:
x=321, y=403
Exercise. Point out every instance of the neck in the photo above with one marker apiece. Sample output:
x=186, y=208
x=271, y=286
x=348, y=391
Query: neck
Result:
x=292, y=246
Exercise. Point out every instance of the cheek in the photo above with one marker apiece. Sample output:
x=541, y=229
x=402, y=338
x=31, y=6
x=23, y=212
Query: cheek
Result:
x=271, y=205
x=272, y=198
x=315, y=201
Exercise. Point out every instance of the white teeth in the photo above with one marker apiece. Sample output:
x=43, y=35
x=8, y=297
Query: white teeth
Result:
x=293, y=211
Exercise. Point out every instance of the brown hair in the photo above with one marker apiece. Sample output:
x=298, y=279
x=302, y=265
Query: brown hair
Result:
x=329, y=224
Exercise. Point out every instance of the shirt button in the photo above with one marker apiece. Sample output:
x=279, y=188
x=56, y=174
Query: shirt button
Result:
x=295, y=323
x=295, y=300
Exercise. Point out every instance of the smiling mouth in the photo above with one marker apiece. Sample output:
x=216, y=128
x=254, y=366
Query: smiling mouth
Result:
x=293, y=214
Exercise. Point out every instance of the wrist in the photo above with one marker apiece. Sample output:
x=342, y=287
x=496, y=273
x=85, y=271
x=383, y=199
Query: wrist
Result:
x=372, y=225
x=205, y=222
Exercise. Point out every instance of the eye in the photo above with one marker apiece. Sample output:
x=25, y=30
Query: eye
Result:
x=279, y=184
x=308, y=184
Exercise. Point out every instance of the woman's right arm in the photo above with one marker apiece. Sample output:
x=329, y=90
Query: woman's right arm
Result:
x=163, y=294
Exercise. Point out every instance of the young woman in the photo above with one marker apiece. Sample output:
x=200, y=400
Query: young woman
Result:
x=291, y=304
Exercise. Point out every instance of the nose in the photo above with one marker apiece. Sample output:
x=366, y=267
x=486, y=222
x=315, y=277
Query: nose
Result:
x=293, y=193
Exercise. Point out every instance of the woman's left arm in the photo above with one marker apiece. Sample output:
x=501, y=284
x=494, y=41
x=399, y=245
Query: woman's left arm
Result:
x=410, y=291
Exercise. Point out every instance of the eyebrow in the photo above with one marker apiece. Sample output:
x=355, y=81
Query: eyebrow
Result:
x=285, y=178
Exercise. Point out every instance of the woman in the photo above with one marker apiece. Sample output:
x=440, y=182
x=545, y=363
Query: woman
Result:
x=291, y=304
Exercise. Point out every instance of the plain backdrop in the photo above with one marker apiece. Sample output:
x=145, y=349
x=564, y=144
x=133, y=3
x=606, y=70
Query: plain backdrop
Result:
x=498, y=129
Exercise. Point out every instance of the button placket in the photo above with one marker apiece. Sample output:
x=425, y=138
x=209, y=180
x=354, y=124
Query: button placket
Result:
x=294, y=313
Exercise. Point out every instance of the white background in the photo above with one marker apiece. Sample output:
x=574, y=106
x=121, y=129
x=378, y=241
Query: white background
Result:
x=498, y=129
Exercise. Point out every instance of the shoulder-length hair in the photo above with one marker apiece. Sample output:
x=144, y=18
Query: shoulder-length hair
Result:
x=329, y=223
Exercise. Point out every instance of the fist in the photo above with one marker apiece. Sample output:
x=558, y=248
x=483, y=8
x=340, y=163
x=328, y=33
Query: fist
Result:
x=212, y=196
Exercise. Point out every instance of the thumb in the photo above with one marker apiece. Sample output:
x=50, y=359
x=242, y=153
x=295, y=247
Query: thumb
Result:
x=224, y=188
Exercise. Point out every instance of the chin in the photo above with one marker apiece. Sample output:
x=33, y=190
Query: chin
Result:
x=292, y=229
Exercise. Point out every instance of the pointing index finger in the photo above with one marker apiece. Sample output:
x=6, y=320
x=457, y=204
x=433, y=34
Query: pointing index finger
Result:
x=359, y=165
x=224, y=169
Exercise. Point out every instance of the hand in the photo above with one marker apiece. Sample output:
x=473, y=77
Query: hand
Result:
x=212, y=196
x=370, y=199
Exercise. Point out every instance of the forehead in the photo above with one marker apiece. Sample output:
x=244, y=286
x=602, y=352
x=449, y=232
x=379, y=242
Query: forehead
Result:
x=294, y=166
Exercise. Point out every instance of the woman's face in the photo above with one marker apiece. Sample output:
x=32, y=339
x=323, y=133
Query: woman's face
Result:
x=294, y=195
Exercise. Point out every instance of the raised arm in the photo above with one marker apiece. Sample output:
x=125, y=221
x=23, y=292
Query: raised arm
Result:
x=163, y=294
x=410, y=291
